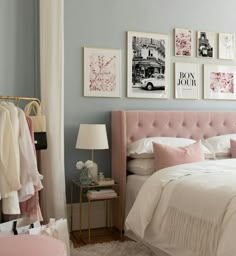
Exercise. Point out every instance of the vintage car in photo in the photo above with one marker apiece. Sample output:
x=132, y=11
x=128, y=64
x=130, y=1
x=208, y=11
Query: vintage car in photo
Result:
x=155, y=81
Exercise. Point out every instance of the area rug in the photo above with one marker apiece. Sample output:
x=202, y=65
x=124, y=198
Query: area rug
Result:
x=115, y=248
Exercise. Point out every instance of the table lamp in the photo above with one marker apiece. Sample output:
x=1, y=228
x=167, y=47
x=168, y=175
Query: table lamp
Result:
x=93, y=137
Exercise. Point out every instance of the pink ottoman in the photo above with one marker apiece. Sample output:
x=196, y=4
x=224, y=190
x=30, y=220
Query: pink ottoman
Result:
x=31, y=245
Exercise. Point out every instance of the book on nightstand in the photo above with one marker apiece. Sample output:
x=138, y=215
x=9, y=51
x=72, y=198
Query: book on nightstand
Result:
x=105, y=181
x=101, y=194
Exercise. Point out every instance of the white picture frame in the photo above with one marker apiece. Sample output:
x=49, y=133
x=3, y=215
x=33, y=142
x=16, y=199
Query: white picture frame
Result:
x=226, y=50
x=186, y=81
x=147, y=65
x=205, y=44
x=183, y=42
x=102, y=72
x=219, y=82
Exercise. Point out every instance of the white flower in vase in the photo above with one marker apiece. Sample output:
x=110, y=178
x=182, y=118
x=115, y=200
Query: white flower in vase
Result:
x=88, y=164
x=80, y=165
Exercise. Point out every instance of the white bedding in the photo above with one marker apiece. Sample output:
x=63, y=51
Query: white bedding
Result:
x=212, y=209
x=133, y=185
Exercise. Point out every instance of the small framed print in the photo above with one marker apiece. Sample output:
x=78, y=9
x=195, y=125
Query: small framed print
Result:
x=102, y=72
x=183, y=42
x=205, y=44
x=226, y=46
x=219, y=82
x=186, y=81
x=148, y=65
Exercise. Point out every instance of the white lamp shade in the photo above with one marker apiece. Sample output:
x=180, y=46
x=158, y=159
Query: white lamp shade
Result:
x=92, y=136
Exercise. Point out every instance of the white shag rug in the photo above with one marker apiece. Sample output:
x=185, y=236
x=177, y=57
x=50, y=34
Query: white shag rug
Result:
x=115, y=248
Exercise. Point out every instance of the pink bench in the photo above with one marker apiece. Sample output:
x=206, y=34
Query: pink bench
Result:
x=31, y=245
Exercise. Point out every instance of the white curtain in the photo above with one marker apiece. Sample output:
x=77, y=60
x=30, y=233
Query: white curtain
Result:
x=52, y=96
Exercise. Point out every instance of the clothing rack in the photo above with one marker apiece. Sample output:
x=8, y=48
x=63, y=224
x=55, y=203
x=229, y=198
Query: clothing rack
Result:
x=17, y=98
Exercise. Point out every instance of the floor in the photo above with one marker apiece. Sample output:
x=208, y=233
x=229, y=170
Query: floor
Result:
x=99, y=235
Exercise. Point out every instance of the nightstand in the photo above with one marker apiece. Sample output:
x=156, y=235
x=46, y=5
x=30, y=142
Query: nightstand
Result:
x=90, y=199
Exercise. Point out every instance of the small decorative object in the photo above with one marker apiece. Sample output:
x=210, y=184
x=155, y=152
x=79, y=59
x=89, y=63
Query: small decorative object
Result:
x=219, y=82
x=226, y=46
x=102, y=72
x=84, y=178
x=101, y=176
x=183, y=42
x=186, y=81
x=148, y=65
x=205, y=44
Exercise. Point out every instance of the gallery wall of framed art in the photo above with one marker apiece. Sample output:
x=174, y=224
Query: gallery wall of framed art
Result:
x=148, y=66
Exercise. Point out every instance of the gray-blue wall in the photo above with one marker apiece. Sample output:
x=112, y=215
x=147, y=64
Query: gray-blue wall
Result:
x=19, y=47
x=104, y=23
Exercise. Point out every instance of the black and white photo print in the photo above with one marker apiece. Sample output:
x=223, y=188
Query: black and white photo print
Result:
x=148, y=67
x=205, y=44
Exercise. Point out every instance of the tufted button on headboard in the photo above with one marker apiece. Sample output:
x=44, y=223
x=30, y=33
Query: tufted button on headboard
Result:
x=192, y=124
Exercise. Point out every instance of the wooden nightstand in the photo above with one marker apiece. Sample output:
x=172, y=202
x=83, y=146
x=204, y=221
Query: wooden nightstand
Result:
x=90, y=199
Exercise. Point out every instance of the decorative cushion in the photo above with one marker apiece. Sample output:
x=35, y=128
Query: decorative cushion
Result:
x=219, y=145
x=166, y=156
x=233, y=148
x=141, y=166
x=143, y=148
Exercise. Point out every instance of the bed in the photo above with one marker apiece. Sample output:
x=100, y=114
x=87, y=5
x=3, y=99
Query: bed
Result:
x=130, y=126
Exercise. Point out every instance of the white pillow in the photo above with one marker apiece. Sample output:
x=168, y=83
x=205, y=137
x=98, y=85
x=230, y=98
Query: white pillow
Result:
x=219, y=145
x=143, y=148
x=141, y=166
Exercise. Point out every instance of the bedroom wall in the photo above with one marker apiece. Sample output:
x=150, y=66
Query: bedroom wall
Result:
x=104, y=24
x=18, y=48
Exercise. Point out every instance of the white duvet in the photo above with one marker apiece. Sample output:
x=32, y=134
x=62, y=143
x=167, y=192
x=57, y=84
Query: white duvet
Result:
x=188, y=210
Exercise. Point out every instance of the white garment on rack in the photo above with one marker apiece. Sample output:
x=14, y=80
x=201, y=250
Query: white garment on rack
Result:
x=9, y=178
x=28, y=161
x=10, y=205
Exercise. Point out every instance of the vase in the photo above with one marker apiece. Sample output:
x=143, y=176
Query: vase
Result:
x=83, y=177
x=93, y=172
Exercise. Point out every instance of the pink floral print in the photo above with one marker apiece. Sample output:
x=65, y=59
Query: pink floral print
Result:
x=222, y=82
x=102, y=73
x=183, y=43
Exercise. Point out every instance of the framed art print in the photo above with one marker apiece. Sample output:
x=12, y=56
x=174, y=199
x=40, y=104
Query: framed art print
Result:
x=186, y=80
x=205, y=44
x=226, y=46
x=148, y=65
x=102, y=72
x=219, y=82
x=183, y=42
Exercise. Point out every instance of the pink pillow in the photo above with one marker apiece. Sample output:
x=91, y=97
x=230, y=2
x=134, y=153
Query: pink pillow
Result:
x=233, y=148
x=166, y=156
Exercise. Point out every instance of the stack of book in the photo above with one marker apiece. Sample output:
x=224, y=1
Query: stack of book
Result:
x=105, y=182
x=101, y=194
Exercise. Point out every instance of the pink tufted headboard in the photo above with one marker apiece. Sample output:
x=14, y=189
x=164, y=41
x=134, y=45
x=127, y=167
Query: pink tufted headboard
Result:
x=129, y=126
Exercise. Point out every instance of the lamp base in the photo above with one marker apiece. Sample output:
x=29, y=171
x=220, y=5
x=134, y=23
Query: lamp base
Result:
x=93, y=172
